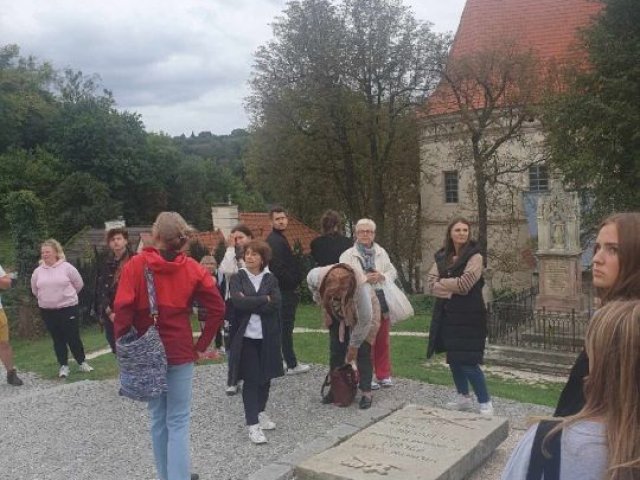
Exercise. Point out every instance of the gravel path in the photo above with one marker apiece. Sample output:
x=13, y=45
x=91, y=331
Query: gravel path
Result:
x=50, y=430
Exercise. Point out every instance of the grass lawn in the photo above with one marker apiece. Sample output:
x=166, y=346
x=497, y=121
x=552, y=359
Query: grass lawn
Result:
x=408, y=358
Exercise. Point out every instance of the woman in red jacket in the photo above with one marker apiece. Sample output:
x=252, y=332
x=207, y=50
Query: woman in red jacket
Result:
x=178, y=281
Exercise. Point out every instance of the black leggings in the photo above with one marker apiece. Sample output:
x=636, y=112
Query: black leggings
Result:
x=255, y=391
x=64, y=326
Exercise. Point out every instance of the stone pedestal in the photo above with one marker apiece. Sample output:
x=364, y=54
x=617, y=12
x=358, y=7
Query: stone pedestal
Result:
x=560, y=279
x=416, y=442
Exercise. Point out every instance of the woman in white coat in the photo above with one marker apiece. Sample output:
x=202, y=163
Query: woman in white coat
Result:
x=372, y=260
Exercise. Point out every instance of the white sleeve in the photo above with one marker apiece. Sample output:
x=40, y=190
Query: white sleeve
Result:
x=229, y=265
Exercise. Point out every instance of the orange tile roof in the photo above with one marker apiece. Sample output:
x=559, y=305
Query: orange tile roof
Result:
x=210, y=240
x=260, y=225
x=547, y=28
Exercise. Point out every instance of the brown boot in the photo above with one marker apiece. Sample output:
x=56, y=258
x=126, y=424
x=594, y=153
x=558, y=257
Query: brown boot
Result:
x=13, y=379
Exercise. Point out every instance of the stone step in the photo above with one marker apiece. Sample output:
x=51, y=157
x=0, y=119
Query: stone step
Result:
x=540, y=361
x=555, y=339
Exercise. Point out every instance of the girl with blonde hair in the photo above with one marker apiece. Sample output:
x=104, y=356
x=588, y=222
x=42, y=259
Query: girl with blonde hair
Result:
x=601, y=441
x=56, y=284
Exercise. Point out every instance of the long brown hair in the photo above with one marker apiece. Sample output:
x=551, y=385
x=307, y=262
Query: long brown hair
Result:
x=627, y=285
x=339, y=283
x=612, y=388
x=449, y=249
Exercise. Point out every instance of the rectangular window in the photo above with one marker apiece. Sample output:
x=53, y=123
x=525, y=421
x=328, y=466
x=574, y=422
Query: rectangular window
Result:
x=538, y=178
x=451, y=187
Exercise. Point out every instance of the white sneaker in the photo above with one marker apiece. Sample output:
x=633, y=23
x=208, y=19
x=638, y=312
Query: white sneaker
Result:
x=256, y=435
x=231, y=390
x=486, y=409
x=386, y=382
x=300, y=368
x=64, y=371
x=85, y=367
x=462, y=403
x=375, y=385
x=265, y=422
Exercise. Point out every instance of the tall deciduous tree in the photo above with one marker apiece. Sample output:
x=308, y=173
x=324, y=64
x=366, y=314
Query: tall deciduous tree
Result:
x=26, y=102
x=332, y=103
x=25, y=215
x=593, y=125
x=489, y=98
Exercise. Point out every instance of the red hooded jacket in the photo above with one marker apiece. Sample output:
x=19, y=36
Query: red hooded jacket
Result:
x=177, y=283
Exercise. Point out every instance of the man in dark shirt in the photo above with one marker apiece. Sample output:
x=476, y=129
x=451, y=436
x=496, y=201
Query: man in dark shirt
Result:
x=327, y=248
x=108, y=277
x=289, y=274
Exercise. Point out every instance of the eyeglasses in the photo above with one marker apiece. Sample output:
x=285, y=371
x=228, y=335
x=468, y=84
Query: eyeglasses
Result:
x=366, y=232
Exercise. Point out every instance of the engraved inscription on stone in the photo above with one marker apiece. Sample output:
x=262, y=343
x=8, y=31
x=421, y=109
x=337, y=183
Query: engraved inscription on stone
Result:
x=416, y=442
x=556, y=277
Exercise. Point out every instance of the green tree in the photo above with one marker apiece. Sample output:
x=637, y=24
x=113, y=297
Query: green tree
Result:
x=79, y=201
x=37, y=170
x=25, y=215
x=593, y=124
x=26, y=102
x=332, y=99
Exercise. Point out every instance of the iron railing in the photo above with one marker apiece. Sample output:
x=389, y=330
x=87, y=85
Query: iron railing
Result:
x=513, y=320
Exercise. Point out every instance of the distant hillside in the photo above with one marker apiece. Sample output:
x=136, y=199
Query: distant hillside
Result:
x=224, y=149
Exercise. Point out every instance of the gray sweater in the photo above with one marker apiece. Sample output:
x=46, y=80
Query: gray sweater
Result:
x=583, y=453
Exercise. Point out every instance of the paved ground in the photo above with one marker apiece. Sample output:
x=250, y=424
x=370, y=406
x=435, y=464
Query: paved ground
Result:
x=50, y=430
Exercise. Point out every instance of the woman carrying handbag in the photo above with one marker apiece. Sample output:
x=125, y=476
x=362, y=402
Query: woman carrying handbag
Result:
x=178, y=280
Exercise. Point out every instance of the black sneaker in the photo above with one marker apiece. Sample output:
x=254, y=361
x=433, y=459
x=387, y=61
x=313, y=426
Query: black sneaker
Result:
x=13, y=379
x=327, y=399
x=195, y=476
x=365, y=402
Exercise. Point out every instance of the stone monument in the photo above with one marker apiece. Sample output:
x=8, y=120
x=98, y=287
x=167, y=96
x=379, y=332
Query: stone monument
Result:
x=559, y=251
x=415, y=442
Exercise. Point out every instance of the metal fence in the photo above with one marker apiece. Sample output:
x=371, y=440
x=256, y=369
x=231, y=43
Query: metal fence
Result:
x=514, y=321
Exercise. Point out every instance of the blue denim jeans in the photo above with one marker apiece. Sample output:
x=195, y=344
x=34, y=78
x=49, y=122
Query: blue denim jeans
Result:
x=170, y=416
x=465, y=374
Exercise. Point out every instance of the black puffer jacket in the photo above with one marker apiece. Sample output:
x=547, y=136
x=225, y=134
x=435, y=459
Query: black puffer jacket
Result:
x=459, y=324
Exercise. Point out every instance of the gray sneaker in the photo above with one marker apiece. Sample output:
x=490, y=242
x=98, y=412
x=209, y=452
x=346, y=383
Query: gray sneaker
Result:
x=300, y=368
x=462, y=403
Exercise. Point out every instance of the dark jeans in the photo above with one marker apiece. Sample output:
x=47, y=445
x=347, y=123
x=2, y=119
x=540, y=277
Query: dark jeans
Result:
x=290, y=301
x=108, y=332
x=255, y=391
x=64, y=326
x=465, y=374
x=338, y=352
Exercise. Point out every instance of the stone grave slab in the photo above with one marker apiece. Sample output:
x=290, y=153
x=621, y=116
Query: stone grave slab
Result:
x=415, y=442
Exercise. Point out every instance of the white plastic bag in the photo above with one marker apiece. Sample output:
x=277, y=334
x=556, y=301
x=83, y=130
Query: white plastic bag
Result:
x=399, y=306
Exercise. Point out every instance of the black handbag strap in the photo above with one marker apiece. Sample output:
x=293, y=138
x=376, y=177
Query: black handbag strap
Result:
x=540, y=464
x=151, y=292
x=325, y=384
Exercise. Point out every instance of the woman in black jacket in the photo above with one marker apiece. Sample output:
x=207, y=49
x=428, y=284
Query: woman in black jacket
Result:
x=255, y=334
x=459, y=322
x=327, y=248
x=616, y=276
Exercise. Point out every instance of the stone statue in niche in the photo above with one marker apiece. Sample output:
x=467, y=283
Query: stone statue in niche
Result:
x=558, y=236
x=559, y=251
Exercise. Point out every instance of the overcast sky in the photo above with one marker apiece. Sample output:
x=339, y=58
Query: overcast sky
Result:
x=182, y=64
